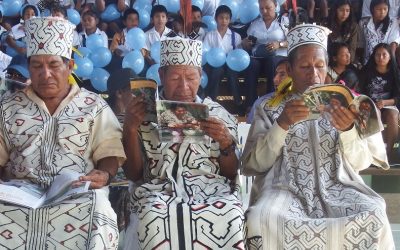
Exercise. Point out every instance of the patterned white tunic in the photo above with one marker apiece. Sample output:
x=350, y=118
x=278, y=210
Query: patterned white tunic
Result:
x=307, y=194
x=36, y=145
x=184, y=202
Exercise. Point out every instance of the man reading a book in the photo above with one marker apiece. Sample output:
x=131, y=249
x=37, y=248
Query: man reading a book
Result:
x=307, y=192
x=186, y=194
x=52, y=127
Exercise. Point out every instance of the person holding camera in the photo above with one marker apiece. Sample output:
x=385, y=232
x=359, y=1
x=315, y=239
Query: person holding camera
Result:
x=266, y=40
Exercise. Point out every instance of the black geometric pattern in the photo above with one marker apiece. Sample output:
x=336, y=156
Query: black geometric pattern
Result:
x=185, y=202
x=307, y=205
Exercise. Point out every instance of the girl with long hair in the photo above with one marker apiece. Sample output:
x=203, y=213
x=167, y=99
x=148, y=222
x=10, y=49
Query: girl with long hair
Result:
x=379, y=80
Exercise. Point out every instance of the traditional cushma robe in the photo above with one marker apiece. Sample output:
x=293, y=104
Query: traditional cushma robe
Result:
x=37, y=146
x=307, y=193
x=184, y=202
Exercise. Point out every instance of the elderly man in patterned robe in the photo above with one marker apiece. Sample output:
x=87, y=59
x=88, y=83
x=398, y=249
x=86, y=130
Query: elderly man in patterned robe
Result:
x=188, y=196
x=50, y=128
x=307, y=193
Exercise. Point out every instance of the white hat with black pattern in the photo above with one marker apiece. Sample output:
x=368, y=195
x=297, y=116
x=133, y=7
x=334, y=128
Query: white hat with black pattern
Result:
x=304, y=34
x=49, y=36
x=181, y=51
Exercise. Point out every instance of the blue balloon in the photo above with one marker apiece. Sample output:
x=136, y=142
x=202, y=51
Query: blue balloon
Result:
x=12, y=52
x=136, y=39
x=216, y=57
x=233, y=5
x=249, y=11
x=142, y=5
x=111, y=13
x=204, y=55
x=152, y=73
x=198, y=3
x=46, y=13
x=204, y=79
x=134, y=60
x=101, y=57
x=73, y=16
x=12, y=7
x=171, y=5
x=155, y=51
x=84, y=67
x=210, y=22
x=99, y=78
x=238, y=60
x=144, y=18
x=94, y=41
x=84, y=52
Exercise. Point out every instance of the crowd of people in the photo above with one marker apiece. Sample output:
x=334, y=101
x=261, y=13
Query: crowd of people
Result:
x=307, y=192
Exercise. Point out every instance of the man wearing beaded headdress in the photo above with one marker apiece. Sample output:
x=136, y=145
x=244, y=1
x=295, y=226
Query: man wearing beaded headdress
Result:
x=307, y=193
x=50, y=128
x=186, y=194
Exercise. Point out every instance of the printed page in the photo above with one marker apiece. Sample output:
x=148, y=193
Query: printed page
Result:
x=368, y=120
x=148, y=89
x=180, y=121
x=23, y=193
x=62, y=189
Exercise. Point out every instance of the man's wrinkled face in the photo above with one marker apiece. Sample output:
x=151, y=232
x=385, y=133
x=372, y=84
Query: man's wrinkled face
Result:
x=49, y=75
x=180, y=83
x=309, y=67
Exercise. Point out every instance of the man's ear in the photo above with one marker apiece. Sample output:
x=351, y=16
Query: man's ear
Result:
x=71, y=64
x=161, y=74
x=289, y=70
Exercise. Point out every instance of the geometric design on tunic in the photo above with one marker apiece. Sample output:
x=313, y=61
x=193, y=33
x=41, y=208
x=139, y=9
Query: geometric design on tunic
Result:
x=184, y=196
x=7, y=234
x=69, y=228
x=255, y=242
x=307, y=178
x=305, y=234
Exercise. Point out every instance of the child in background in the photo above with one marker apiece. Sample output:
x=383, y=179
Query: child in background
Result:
x=17, y=32
x=224, y=38
x=118, y=45
x=159, y=32
x=89, y=25
x=197, y=21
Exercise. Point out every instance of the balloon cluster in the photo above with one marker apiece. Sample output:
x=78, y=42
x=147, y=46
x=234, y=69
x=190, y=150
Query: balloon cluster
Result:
x=237, y=59
x=12, y=7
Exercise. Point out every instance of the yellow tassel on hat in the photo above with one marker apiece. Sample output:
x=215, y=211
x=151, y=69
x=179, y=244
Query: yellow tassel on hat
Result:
x=284, y=88
x=71, y=80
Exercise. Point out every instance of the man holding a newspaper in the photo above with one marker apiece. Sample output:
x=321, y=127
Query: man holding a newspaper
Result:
x=50, y=129
x=186, y=194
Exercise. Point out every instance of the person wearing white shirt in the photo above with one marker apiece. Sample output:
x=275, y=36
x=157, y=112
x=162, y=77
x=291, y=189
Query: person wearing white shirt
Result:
x=266, y=39
x=89, y=23
x=224, y=38
x=393, y=12
x=158, y=32
x=379, y=28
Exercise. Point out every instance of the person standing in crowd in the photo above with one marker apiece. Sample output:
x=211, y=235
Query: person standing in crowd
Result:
x=379, y=28
x=90, y=20
x=159, y=18
x=53, y=127
x=223, y=37
x=197, y=21
x=266, y=39
x=186, y=194
x=343, y=26
x=307, y=192
x=380, y=79
x=118, y=45
x=393, y=12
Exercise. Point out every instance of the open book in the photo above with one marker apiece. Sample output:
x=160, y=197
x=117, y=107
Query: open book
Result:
x=148, y=89
x=322, y=98
x=179, y=121
x=28, y=194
